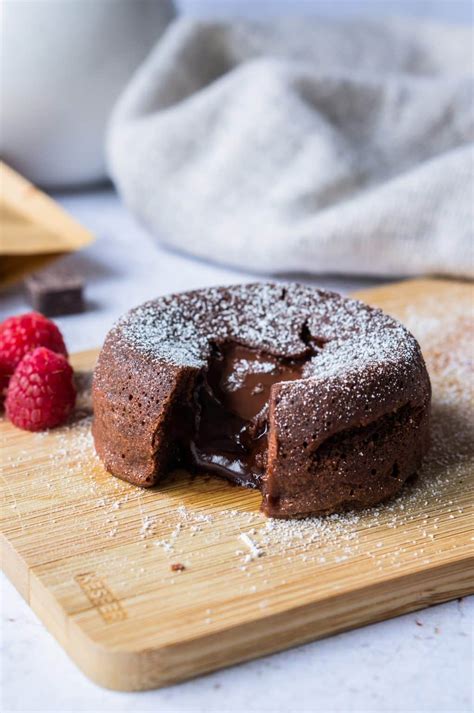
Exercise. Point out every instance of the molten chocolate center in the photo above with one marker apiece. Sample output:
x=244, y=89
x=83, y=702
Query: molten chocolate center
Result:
x=232, y=411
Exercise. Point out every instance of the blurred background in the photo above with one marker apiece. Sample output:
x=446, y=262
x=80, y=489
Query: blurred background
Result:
x=64, y=65
x=205, y=141
x=450, y=10
x=200, y=142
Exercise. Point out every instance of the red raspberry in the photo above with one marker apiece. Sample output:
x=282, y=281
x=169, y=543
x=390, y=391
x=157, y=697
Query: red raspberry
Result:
x=18, y=336
x=41, y=393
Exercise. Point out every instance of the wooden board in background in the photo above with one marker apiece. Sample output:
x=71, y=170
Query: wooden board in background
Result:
x=34, y=229
x=93, y=555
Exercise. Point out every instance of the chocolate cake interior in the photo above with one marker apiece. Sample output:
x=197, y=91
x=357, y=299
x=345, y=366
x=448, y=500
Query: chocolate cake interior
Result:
x=231, y=410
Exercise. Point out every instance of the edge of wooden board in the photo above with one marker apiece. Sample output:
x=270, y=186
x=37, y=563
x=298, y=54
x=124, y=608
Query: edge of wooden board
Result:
x=372, y=295
x=125, y=670
x=147, y=668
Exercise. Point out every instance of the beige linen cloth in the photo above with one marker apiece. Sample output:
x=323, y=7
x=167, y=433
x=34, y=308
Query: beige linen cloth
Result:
x=304, y=145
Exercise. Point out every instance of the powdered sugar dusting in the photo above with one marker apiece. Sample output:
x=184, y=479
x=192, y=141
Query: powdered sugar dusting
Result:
x=131, y=535
x=178, y=328
x=360, y=365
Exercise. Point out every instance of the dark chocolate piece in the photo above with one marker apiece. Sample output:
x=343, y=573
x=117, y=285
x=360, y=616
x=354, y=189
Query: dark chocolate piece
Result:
x=319, y=401
x=55, y=291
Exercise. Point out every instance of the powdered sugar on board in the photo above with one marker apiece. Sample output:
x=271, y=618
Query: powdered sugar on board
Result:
x=132, y=535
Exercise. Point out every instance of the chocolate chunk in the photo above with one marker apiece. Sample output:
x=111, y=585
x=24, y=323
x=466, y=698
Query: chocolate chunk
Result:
x=56, y=290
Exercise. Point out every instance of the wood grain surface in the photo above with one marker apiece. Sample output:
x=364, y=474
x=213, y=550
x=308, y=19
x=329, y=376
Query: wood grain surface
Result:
x=145, y=588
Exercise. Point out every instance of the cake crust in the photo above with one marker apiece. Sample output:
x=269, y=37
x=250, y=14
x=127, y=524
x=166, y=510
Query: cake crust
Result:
x=347, y=434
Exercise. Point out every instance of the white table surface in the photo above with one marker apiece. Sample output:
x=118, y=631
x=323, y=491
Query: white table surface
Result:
x=418, y=662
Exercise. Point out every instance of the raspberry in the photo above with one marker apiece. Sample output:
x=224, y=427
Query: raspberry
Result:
x=41, y=393
x=18, y=336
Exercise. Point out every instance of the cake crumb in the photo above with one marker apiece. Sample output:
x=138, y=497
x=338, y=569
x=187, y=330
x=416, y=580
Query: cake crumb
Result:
x=177, y=567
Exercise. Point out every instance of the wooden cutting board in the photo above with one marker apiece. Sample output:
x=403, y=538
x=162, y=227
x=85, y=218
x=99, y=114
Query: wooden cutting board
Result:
x=94, y=556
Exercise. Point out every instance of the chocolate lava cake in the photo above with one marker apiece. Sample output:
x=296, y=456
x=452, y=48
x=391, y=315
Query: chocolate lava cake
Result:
x=319, y=401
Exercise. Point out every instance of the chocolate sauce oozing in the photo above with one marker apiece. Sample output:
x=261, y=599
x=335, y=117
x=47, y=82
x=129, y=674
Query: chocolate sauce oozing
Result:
x=232, y=407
